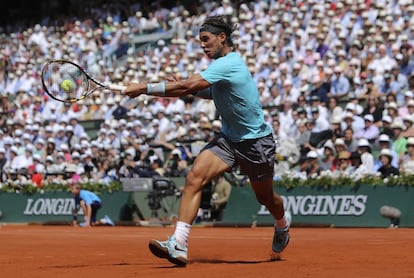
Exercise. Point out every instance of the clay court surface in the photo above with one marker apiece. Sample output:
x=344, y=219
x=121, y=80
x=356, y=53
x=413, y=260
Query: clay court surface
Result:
x=64, y=251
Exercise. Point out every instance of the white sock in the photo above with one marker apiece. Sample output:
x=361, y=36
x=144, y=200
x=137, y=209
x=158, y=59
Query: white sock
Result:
x=281, y=223
x=182, y=232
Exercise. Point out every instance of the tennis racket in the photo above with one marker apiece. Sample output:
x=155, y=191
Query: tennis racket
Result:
x=66, y=81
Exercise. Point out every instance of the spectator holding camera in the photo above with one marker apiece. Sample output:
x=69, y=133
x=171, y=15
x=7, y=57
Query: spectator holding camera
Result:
x=175, y=166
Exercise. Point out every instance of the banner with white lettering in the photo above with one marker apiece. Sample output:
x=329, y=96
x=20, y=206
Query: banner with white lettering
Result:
x=57, y=206
x=341, y=206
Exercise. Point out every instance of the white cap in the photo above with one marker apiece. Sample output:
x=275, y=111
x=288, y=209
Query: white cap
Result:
x=49, y=158
x=336, y=119
x=363, y=142
x=385, y=152
x=37, y=157
x=14, y=149
x=340, y=142
x=387, y=119
x=369, y=117
x=329, y=144
x=312, y=154
x=410, y=141
x=384, y=138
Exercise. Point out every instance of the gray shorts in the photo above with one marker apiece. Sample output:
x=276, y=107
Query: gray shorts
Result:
x=256, y=157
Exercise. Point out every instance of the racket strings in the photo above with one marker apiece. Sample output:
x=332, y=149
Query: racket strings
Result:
x=65, y=81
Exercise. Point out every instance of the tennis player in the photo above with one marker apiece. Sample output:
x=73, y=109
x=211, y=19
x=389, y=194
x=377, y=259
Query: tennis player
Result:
x=245, y=139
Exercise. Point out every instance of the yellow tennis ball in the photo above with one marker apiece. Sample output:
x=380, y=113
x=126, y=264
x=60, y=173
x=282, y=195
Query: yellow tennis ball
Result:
x=67, y=85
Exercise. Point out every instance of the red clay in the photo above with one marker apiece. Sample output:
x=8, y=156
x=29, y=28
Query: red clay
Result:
x=64, y=251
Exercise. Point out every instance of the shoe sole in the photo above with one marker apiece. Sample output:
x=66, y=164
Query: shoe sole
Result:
x=162, y=252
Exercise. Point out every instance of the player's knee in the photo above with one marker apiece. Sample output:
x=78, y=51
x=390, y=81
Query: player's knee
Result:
x=193, y=183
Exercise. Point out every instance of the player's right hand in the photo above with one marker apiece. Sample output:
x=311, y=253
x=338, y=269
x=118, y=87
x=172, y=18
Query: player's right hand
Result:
x=133, y=90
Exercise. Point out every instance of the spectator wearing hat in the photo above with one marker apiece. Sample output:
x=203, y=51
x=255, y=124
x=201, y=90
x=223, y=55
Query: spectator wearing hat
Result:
x=40, y=148
x=322, y=48
x=13, y=162
x=175, y=165
x=336, y=127
x=313, y=168
x=352, y=119
x=303, y=104
x=77, y=160
x=390, y=86
x=407, y=160
x=113, y=140
x=17, y=142
x=289, y=93
x=392, y=110
x=404, y=63
x=303, y=134
x=370, y=131
x=64, y=148
x=364, y=149
x=60, y=162
x=402, y=82
x=51, y=170
x=89, y=165
x=370, y=89
x=335, y=111
x=343, y=166
x=38, y=162
x=339, y=145
x=161, y=50
x=327, y=162
x=69, y=171
x=399, y=141
x=318, y=90
x=152, y=166
x=384, y=142
x=120, y=111
x=385, y=126
x=359, y=86
x=408, y=121
x=26, y=159
x=321, y=123
x=407, y=108
x=340, y=85
x=26, y=139
x=387, y=169
x=286, y=120
x=72, y=139
x=78, y=129
x=126, y=170
x=35, y=177
x=60, y=138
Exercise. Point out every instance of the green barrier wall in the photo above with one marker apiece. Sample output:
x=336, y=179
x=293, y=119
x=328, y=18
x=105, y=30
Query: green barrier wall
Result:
x=57, y=206
x=339, y=206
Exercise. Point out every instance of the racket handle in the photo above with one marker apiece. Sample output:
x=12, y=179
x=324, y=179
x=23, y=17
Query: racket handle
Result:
x=116, y=87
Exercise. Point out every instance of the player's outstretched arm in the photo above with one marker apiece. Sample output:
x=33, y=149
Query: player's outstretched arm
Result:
x=168, y=89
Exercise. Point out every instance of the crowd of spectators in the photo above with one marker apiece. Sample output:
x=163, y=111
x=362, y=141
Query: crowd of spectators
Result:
x=334, y=76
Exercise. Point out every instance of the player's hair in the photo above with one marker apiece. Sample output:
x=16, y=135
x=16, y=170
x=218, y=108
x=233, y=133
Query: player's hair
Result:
x=76, y=185
x=218, y=24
